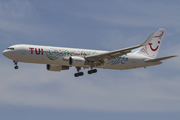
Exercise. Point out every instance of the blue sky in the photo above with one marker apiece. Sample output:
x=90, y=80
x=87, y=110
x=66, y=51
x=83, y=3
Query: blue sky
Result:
x=32, y=92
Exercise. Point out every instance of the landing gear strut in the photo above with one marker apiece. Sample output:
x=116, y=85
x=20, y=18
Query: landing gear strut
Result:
x=78, y=73
x=15, y=63
x=92, y=71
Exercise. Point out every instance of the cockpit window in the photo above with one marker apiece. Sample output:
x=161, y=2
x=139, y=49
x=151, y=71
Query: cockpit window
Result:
x=10, y=48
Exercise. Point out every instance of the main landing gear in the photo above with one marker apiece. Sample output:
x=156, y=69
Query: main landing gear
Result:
x=15, y=63
x=92, y=71
x=81, y=73
x=78, y=73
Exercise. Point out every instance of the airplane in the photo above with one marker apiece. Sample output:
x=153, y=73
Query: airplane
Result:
x=62, y=58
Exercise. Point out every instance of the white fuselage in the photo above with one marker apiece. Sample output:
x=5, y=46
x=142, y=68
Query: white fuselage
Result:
x=59, y=56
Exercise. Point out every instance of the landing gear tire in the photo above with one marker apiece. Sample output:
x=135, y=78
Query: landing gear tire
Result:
x=78, y=74
x=15, y=63
x=16, y=67
x=92, y=71
x=89, y=72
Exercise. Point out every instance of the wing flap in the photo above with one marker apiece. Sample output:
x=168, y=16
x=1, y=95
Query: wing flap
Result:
x=158, y=59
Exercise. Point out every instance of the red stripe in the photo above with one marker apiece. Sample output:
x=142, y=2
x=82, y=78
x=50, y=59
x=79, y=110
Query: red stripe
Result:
x=160, y=35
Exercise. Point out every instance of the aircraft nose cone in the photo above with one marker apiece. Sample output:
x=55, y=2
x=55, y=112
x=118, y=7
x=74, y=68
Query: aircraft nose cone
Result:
x=7, y=53
x=4, y=53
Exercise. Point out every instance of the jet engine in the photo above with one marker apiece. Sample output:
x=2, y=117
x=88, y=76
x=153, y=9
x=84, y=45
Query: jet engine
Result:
x=56, y=67
x=76, y=61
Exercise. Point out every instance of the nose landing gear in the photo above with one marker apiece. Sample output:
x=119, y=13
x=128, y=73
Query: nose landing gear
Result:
x=15, y=63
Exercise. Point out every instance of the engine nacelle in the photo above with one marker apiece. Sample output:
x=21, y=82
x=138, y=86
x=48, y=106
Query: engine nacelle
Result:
x=56, y=67
x=76, y=61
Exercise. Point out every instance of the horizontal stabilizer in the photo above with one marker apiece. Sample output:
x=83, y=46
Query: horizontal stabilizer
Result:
x=158, y=59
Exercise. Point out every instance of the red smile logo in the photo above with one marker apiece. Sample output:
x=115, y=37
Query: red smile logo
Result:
x=159, y=36
x=150, y=44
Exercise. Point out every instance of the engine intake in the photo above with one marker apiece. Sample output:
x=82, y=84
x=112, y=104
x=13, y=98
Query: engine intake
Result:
x=76, y=61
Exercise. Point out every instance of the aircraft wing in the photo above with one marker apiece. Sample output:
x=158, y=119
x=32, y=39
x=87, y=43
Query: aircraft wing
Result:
x=97, y=60
x=158, y=59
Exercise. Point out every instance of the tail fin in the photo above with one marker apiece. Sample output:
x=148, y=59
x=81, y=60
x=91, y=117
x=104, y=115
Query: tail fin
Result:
x=153, y=47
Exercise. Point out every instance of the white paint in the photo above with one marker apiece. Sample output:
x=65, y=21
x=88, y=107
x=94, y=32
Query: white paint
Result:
x=59, y=56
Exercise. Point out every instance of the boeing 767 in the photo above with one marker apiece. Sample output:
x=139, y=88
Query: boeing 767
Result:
x=61, y=58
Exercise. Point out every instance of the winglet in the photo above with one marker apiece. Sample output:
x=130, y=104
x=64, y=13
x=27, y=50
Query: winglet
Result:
x=148, y=40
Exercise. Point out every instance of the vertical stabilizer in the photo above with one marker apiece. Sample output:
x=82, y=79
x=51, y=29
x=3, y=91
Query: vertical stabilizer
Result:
x=153, y=47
